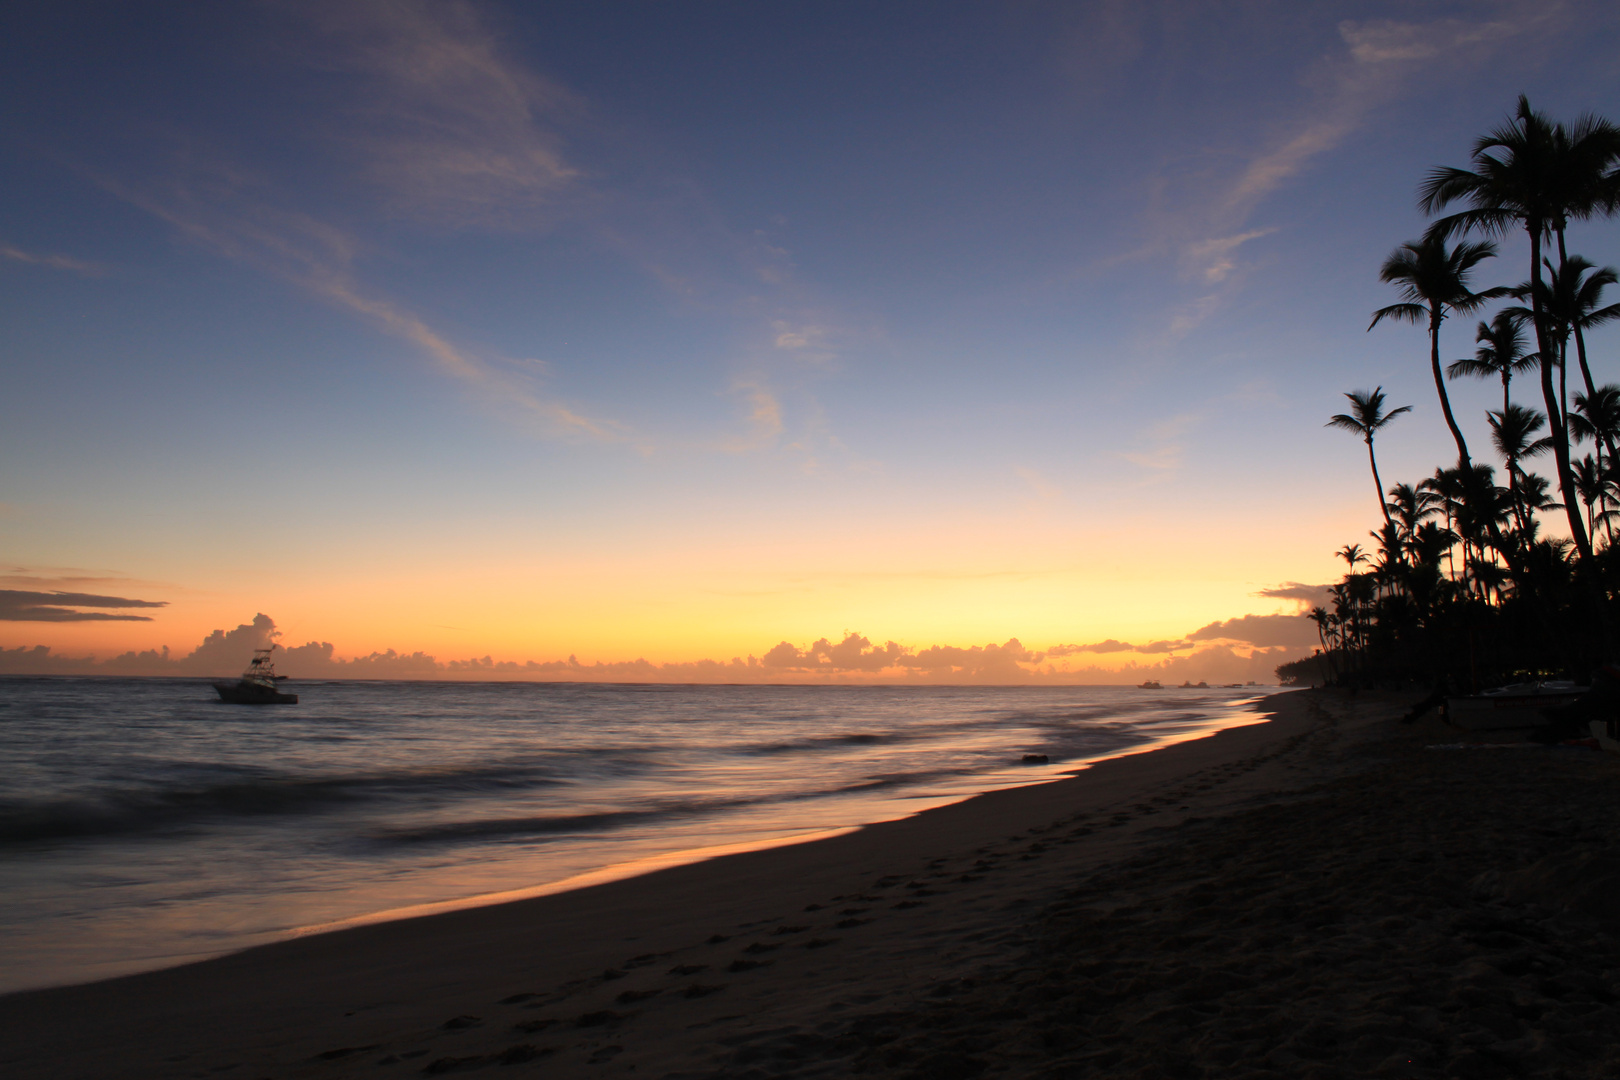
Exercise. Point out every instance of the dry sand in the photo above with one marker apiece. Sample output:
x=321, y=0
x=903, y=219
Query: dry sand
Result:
x=1316, y=896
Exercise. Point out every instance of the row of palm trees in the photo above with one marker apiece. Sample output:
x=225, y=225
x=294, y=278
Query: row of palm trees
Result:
x=1463, y=582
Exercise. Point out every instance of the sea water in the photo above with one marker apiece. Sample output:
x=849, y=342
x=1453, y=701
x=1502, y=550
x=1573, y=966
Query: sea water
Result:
x=143, y=823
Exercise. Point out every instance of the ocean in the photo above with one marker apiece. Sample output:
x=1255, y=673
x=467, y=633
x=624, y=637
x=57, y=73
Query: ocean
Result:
x=144, y=824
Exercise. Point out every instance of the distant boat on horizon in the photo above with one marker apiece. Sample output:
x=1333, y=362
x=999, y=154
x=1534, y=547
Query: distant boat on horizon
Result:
x=257, y=686
x=1151, y=684
x=1199, y=685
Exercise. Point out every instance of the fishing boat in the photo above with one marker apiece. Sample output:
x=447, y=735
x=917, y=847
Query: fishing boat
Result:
x=1151, y=684
x=257, y=686
x=1517, y=705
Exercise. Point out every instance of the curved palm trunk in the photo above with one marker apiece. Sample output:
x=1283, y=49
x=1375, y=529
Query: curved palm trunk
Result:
x=1435, y=315
x=1604, y=436
x=1464, y=462
x=1580, y=339
x=1377, y=483
x=1549, y=394
x=1580, y=342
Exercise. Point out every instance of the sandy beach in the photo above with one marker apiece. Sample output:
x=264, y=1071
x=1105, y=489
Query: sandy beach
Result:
x=1319, y=895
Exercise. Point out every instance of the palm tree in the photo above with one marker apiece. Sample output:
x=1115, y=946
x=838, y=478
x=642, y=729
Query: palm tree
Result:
x=1513, y=433
x=1429, y=542
x=1572, y=302
x=1411, y=506
x=1596, y=490
x=1323, y=621
x=1500, y=353
x=1448, y=489
x=1533, y=173
x=1598, y=418
x=1365, y=417
x=1434, y=282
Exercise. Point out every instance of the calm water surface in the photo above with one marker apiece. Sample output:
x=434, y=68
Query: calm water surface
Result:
x=143, y=823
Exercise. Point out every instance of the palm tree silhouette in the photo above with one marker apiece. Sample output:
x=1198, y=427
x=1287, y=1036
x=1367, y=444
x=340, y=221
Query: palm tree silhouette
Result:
x=1513, y=433
x=1535, y=174
x=1596, y=489
x=1411, y=506
x=1598, y=418
x=1434, y=282
x=1365, y=417
x=1323, y=621
x=1447, y=486
x=1572, y=302
x=1500, y=353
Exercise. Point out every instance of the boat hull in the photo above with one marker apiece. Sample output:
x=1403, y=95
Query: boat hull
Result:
x=246, y=693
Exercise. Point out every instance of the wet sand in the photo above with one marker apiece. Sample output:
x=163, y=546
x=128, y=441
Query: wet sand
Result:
x=1319, y=895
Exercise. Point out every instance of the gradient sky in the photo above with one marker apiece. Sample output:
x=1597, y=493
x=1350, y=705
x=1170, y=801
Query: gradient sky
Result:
x=677, y=330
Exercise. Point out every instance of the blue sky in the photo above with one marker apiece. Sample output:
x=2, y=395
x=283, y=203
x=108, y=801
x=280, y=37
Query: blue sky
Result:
x=681, y=330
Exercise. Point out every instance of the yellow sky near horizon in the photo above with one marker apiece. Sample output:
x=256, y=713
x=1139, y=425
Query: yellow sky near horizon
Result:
x=943, y=582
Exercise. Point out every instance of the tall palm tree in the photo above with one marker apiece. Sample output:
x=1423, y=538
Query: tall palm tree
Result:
x=1365, y=417
x=1433, y=282
x=1538, y=175
x=1500, y=353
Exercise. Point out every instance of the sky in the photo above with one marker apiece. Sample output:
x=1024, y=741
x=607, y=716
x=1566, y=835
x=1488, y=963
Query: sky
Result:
x=574, y=335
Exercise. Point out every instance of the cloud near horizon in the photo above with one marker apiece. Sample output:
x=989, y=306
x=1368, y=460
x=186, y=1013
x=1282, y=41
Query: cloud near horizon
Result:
x=1306, y=596
x=1237, y=649
x=17, y=605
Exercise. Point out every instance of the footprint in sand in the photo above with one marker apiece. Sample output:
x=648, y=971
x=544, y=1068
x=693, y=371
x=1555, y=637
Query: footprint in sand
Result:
x=600, y=1018
x=518, y=999
x=697, y=990
x=529, y=1027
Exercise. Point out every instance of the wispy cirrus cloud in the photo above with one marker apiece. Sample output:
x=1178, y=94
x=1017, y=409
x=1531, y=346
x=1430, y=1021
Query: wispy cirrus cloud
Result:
x=442, y=119
x=1162, y=445
x=1213, y=260
x=1202, y=210
x=53, y=262
x=219, y=208
x=1380, y=59
x=763, y=421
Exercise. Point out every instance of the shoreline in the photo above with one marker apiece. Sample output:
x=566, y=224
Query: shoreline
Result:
x=275, y=1008
x=81, y=953
x=651, y=864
